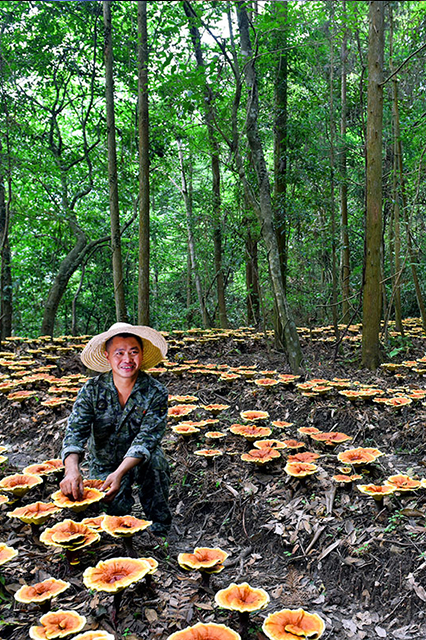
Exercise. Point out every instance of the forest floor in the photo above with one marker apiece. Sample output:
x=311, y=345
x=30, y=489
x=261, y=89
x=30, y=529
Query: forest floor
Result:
x=311, y=544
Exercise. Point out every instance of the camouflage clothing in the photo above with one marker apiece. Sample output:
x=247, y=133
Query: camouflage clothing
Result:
x=114, y=433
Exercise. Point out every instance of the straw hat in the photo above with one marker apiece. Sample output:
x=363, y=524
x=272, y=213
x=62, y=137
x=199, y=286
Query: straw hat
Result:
x=154, y=347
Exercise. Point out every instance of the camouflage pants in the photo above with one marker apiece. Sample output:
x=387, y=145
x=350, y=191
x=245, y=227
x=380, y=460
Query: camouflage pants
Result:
x=152, y=480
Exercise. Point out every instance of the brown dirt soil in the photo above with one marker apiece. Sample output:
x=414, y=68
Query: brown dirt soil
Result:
x=309, y=544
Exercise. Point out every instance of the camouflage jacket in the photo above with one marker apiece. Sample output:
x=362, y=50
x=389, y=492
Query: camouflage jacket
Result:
x=114, y=433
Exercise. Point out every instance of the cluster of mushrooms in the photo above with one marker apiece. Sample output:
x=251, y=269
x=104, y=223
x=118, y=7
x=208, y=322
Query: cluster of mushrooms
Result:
x=114, y=575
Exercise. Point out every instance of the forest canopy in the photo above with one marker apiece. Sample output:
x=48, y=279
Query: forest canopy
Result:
x=244, y=99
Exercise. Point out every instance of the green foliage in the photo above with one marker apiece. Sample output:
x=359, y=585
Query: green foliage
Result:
x=53, y=154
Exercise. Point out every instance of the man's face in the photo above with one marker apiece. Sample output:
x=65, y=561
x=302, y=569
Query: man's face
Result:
x=125, y=357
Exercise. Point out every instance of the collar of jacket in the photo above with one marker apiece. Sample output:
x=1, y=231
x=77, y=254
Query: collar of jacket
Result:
x=106, y=379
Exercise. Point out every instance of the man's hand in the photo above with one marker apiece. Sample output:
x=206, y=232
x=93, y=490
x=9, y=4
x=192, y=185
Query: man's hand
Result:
x=113, y=481
x=72, y=483
x=111, y=485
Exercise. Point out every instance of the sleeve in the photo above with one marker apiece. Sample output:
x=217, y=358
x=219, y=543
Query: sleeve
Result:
x=152, y=426
x=79, y=422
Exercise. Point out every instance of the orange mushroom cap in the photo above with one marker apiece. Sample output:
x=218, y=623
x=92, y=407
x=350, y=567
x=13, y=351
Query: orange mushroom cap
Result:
x=116, y=574
x=269, y=444
x=180, y=410
x=403, y=483
x=99, y=634
x=376, y=491
x=208, y=453
x=202, y=558
x=58, y=624
x=300, y=469
x=6, y=553
x=90, y=496
x=205, y=631
x=242, y=597
x=294, y=444
x=123, y=526
x=281, y=424
x=213, y=435
x=305, y=456
x=19, y=484
x=215, y=409
x=183, y=399
x=261, y=456
x=94, y=523
x=254, y=416
x=69, y=535
x=3, y=499
x=184, y=430
x=34, y=513
x=266, y=382
x=295, y=624
x=250, y=431
x=356, y=457
x=307, y=431
x=331, y=437
x=41, y=591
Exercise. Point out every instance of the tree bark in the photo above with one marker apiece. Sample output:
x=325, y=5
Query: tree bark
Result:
x=143, y=126
x=5, y=275
x=290, y=336
x=117, y=266
x=280, y=141
x=191, y=242
x=372, y=281
x=332, y=188
x=345, y=252
x=209, y=117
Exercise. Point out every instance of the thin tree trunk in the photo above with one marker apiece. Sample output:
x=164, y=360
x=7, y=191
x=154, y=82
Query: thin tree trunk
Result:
x=252, y=282
x=345, y=255
x=372, y=294
x=332, y=198
x=5, y=257
x=191, y=243
x=143, y=126
x=280, y=140
x=117, y=266
x=290, y=336
x=209, y=117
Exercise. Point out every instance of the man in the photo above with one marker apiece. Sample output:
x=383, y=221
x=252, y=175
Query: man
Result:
x=121, y=415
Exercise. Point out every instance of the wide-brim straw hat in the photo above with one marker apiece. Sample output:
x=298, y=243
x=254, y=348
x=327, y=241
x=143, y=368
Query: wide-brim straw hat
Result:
x=154, y=347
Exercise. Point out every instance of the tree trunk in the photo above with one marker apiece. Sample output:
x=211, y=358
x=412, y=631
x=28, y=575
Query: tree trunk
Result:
x=332, y=198
x=345, y=255
x=372, y=286
x=143, y=126
x=290, y=336
x=5, y=275
x=117, y=267
x=280, y=140
x=191, y=243
x=252, y=282
x=209, y=117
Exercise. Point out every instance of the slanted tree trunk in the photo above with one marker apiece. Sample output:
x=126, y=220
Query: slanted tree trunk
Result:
x=209, y=117
x=345, y=252
x=290, y=337
x=117, y=266
x=372, y=293
x=191, y=242
x=143, y=127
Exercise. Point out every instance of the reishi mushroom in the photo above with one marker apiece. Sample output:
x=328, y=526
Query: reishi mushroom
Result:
x=244, y=599
x=57, y=624
x=293, y=624
x=205, y=631
x=207, y=560
x=42, y=592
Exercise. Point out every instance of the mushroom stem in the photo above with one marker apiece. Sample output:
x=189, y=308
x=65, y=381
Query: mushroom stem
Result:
x=205, y=581
x=72, y=557
x=128, y=545
x=116, y=606
x=243, y=617
x=35, y=531
x=45, y=606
